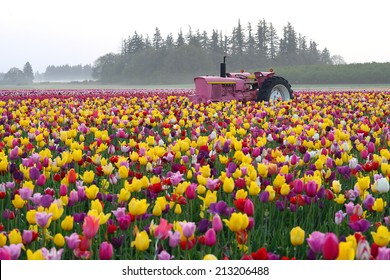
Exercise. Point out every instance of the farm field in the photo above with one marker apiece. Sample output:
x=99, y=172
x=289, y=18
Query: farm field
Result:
x=145, y=174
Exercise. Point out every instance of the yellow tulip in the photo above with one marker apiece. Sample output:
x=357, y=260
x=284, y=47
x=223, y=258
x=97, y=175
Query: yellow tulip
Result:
x=18, y=202
x=3, y=239
x=67, y=223
x=379, y=205
x=91, y=192
x=30, y=217
x=297, y=236
x=237, y=222
x=56, y=211
x=141, y=241
x=209, y=257
x=381, y=236
x=96, y=205
x=15, y=237
x=346, y=251
x=124, y=195
x=88, y=177
x=37, y=255
x=123, y=172
x=59, y=240
x=228, y=185
x=137, y=207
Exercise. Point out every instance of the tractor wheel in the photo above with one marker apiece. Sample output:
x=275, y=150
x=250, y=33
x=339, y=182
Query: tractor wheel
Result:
x=275, y=88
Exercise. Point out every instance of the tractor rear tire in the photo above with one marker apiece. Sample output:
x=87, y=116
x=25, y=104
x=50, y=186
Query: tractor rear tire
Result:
x=275, y=88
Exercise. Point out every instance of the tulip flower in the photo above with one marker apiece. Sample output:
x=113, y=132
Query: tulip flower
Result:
x=59, y=240
x=88, y=177
x=90, y=226
x=141, y=241
x=137, y=207
x=162, y=230
x=330, y=247
x=37, y=255
x=105, y=251
x=43, y=219
x=237, y=222
x=297, y=236
x=53, y=254
x=164, y=255
x=210, y=257
x=363, y=250
x=67, y=223
x=316, y=241
x=381, y=236
x=210, y=237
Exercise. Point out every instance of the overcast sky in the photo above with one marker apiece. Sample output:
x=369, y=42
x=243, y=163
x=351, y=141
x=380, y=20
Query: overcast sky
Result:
x=58, y=32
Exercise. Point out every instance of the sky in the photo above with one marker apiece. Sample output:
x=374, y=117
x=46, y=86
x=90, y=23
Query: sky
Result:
x=59, y=32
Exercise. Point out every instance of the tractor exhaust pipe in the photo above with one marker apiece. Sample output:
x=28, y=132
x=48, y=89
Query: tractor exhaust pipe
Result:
x=223, y=67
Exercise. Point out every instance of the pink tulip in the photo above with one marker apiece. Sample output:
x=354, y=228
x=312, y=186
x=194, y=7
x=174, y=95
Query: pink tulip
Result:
x=210, y=237
x=41, y=180
x=90, y=226
x=161, y=231
x=217, y=223
x=330, y=247
x=105, y=251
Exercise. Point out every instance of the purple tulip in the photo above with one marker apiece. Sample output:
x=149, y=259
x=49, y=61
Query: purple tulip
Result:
x=14, y=250
x=315, y=241
x=25, y=193
x=174, y=238
x=34, y=173
x=42, y=218
x=72, y=241
x=264, y=196
x=164, y=256
x=360, y=225
x=46, y=200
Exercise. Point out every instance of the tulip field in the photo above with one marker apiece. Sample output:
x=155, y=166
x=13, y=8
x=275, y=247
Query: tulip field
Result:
x=147, y=175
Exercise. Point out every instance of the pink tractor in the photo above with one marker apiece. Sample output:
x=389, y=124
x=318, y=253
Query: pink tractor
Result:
x=244, y=86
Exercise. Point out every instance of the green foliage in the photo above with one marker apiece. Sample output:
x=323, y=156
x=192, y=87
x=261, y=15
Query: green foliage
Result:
x=359, y=73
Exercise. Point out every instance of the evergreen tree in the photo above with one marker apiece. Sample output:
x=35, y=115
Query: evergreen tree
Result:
x=214, y=43
x=302, y=49
x=262, y=40
x=250, y=43
x=169, y=43
x=148, y=43
x=157, y=39
x=325, y=57
x=314, y=54
x=273, y=43
x=204, y=41
x=28, y=73
x=238, y=40
x=180, y=39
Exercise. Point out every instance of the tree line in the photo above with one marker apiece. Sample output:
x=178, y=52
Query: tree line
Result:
x=356, y=73
x=15, y=76
x=66, y=72
x=163, y=59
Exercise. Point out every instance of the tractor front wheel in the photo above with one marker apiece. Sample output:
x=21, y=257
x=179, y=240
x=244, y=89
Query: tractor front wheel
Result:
x=275, y=88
